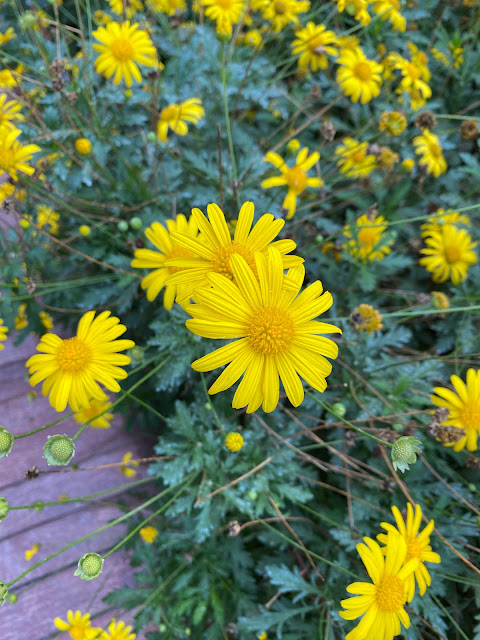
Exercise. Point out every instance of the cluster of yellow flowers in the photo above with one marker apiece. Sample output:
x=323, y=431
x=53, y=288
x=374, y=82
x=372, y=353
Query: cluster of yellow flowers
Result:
x=14, y=156
x=394, y=569
x=235, y=288
x=79, y=627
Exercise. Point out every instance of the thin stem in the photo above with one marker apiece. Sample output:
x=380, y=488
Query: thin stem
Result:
x=215, y=414
x=46, y=426
x=229, y=127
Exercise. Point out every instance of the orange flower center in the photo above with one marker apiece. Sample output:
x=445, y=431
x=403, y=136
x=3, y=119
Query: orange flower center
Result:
x=122, y=49
x=390, y=595
x=224, y=4
x=435, y=149
x=170, y=113
x=78, y=633
x=363, y=71
x=280, y=6
x=452, y=254
x=7, y=159
x=470, y=416
x=179, y=252
x=73, y=355
x=316, y=44
x=271, y=330
x=296, y=179
x=412, y=71
x=358, y=156
x=221, y=262
x=367, y=237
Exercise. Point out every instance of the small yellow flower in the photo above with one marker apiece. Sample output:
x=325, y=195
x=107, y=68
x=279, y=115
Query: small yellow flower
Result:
x=355, y=161
x=7, y=36
x=95, y=408
x=78, y=626
x=3, y=333
x=14, y=156
x=84, y=230
x=263, y=636
x=46, y=216
x=294, y=145
x=366, y=318
x=83, y=146
x=252, y=38
x=436, y=222
x=313, y=43
x=148, y=534
x=6, y=190
x=428, y=147
x=359, y=78
x=387, y=159
x=234, y=441
x=282, y=12
x=390, y=10
x=176, y=116
x=408, y=164
x=9, y=112
x=225, y=12
x=392, y=122
x=126, y=8
x=368, y=243
x=169, y=7
x=118, y=631
x=21, y=320
x=440, y=300
x=356, y=8
x=449, y=254
x=46, y=320
x=126, y=465
x=30, y=553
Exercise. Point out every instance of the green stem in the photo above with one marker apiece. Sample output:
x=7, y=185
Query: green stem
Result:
x=229, y=128
x=46, y=426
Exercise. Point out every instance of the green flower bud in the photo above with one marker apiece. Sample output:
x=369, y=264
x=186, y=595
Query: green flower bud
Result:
x=470, y=486
x=122, y=226
x=319, y=238
x=162, y=628
x=58, y=450
x=90, y=566
x=339, y=409
x=208, y=406
x=137, y=354
x=3, y=593
x=6, y=442
x=151, y=136
x=398, y=427
x=27, y=20
x=404, y=452
x=12, y=598
x=253, y=495
x=39, y=506
x=136, y=222
x=4, y=508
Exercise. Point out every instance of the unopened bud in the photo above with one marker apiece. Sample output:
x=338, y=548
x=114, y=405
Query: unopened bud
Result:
x=90, y=566
x=3, y=593
x=6, y=442
x=404, y=452
x=58, y=450
x=4, y=508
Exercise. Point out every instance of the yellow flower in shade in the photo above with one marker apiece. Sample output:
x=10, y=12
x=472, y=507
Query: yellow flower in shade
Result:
x=7, y=36
x=418, y=546
x=380, y=602
x=440, y=300
x=313, y=43
x=83, y=146
x=127, y=464
x=390, y=10
x=84, y=230
x=440, y=56
x=78, y=626
x=225, y=12
x=449, y=217
x=169, y=7
x=366, y=318
x=359, y=78
x=283, y=12
x=252, y=38
x=148, y=534
x=30, y=553
x=7, y=79
x=14, y=156
x=356, y=8
x=3, y=334
x=293, y=145
x=275, y=329
x=168, y=249
x=118, y=631
x=234, y=442
x=176, y=116
x=262, y=636
x=428, y=147
x=125, y=8
x=392, y=122
x=95, y=408
x=47, y=217
x=456, y=51
x=348, y=43
x=9, y=112
x=368, y=243
x=449, y=254
x=6, y=190
x=415, y=75
x=101, y=18
x=21, y=320
x=408, y=164
x=355, y=161
x=46, y=320
x=73, y=368
x=387, y=159
x=463, y=406
x=123, y=47
x=214, y=249
x=295, y=178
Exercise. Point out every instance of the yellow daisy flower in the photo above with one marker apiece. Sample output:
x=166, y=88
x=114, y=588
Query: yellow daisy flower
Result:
x=392, y=122
x=122, y=47
x=295, y=178
x=46, y=216
x=3, y=334
x=176, y=116
x=73, y=368
x=359, y=78
x=428, y=146
x=125, y=8
x=78, y=626
x=366, y=318
x=313, y=42
x=225, y=12
x=355, y=161
x=7, y=79
x=21, y=320
x=349, y=43
x=14, y=155
x=214, y=249
x=449, y=254
x=234, y=441
x=6, y=190
x=449, y=217
x=169, y=7
x=463, y=406
x=148, y=534
x=381, y=602
x=46, y=320
x=390, y=10
x=418, y=546
x=356, y=8
x=415, y=75
x=252, y=38
x=168, y=248
x=7, y=36
x=283, y=12
x=118, y=631
x=274, y=325
x=368, y=243
x=126, y=466
x=95, y=408
x=9, y=112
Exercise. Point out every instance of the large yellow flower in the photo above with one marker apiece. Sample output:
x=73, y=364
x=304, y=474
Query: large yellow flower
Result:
x=295, y=178
x=359, y=78
x=9, y=112
x=418, y=546
x=122, y=47
x=78, y=626
x=282, y=12
x=276, y=331
x=225, y=12
x=73, y=368
x=368, y=243
x=3, y=333
x=176, y=116
x=355, y=161
x=381, y=602
x=214, y=249
x=449, y=254
x=95, y=408
x=168, y=248
x=463, y=406
x=428, y=146
x=313, y=42
x=14, y=156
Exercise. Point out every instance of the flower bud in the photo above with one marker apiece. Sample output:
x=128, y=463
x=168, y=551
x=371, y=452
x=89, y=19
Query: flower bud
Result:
x=12, y=598
x=339, y=409
x=83, y=146
x=27, y=20
x=122, y=226
x=4, y=508
x=6, y=442
x=58, y=450
x=234, y=442
x=404, y=452
x=90, y=566
x=85, y=230
x=3, y=593
x=136, y=222
x=136, y=354
x=151, y=136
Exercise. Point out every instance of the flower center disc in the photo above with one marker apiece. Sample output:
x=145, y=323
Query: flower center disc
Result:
x=271, y=330
x=296, y=179
x=122, y=50
x=73, y=355
x=170, y=113
x=367, y=238
x=363, y=71
x=78, y=633
x=221, y=261
x=435, y=149
x=390, y=594
x=7, y=159
x=471, y=416
x=280, y=6
x=452, y=254
x=412, y=71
